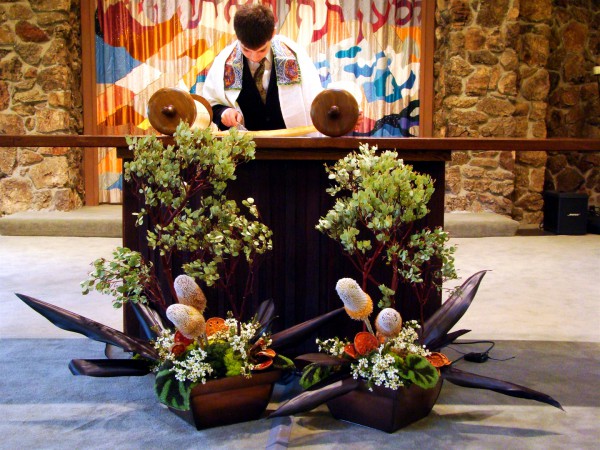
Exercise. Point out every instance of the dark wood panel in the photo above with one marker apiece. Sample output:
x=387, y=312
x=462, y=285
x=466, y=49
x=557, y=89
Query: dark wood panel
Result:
x=301, y=272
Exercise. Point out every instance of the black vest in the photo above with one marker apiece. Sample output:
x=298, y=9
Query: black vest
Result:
x=259, y=115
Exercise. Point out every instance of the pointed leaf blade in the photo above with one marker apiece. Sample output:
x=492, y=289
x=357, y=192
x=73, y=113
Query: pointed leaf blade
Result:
x=294, y=334
x=311, y=399
x=452, y=310
x=110, y=367
x=265, y=312
x=70, y=321
x=321, y=359
x=149, y=319
x=445, y=340
x=471, y=380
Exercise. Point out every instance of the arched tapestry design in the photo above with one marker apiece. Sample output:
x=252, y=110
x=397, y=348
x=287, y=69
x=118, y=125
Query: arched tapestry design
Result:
x=145, y=45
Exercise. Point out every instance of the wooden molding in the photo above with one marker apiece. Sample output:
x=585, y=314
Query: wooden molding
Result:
x=426, y=88
x=88, y=87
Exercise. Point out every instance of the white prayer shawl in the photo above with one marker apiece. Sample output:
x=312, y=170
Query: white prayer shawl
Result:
x=297, y=78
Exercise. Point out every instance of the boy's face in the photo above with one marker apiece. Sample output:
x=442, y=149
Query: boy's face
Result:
x=258, y=54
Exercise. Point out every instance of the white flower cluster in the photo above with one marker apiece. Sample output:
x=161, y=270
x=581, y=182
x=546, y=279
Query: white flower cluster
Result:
x=407, y=340
x=378, y=369
x=163, y=345
x=193, y=367
x=333, y=347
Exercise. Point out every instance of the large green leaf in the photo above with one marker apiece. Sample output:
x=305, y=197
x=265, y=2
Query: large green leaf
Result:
x=170, y=391
x=419, y=371
x=313, y=374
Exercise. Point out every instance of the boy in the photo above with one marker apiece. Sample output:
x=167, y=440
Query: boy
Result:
x=262, y=81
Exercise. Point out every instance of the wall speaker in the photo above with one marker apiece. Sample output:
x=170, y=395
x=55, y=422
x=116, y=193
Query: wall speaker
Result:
x=565, y=212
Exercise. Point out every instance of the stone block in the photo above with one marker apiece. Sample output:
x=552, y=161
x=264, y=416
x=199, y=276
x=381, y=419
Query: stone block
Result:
x=479, y=83
x=54, y=78
x=11, y=124
x=536, y=87
x=536, y=10
x=492, y=14
x=507, y=85
x=52, y=172
x=29, y=32
x=574, y=68
x=19, y=11
x=8, y=160
x=534, y=50
x=474, y=39
x=483, y=57
x=457, y=66
x=52, y=120
x=50, y=5
x=15, y=195
x=575, y=36
x=496, y=107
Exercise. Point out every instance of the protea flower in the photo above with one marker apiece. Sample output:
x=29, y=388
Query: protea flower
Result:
x=388, y=323
x=189, y=293
x=187, y=320
x=357, y=302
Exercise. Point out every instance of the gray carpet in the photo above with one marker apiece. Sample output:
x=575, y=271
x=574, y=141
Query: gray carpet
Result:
x=44, y=406
x=539, y=302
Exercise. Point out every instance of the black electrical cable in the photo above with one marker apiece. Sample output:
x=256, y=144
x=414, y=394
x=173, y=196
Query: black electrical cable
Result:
x=478, y=357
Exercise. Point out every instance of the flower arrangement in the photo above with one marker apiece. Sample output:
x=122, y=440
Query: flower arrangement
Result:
x=392, y=357
x=195, y=234
x=378, y=200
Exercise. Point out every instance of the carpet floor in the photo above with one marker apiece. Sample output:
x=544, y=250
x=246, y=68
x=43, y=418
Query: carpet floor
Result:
x=44, y=406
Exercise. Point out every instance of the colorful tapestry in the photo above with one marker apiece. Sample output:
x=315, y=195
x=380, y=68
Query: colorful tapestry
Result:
x=369, y=47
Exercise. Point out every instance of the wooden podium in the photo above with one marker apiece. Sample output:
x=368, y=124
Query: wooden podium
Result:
x=288, y=183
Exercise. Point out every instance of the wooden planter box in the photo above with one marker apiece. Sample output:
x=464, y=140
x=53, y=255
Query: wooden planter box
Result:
x=229, y=400
x=384, y=409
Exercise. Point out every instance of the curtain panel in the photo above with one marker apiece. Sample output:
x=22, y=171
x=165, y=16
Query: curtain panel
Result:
x=371, y=48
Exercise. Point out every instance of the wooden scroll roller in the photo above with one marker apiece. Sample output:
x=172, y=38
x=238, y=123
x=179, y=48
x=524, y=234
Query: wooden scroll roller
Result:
x=334, y=112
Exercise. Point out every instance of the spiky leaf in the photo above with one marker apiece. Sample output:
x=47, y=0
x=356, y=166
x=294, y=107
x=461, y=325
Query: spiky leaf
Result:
x=440, y=323
x=70, y=321
x=110, y=367
x=294, y=334
x=471, y=380
x=311, y=399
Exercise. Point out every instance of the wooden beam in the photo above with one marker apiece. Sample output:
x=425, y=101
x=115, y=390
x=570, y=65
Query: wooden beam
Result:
x=426, y=88
x=88, y=87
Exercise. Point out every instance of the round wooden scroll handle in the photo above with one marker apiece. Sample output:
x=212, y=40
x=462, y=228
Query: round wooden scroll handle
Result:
x=169, y=106
x=334, y=112
x=204, y=113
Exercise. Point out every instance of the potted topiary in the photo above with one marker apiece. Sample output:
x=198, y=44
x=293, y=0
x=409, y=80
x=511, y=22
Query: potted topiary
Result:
x=390, y=375
x=195, y=234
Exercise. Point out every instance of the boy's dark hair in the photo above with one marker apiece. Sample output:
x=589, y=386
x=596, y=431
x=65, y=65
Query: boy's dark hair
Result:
x=254, y=25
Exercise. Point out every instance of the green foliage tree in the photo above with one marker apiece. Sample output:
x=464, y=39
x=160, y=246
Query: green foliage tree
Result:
x=187, y=212
x=378, y=200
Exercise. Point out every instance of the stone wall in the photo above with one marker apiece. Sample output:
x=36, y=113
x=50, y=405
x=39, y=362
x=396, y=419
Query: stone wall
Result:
x=573, y=103
x=476, y=68
x=40, y=73
x=494, y=74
